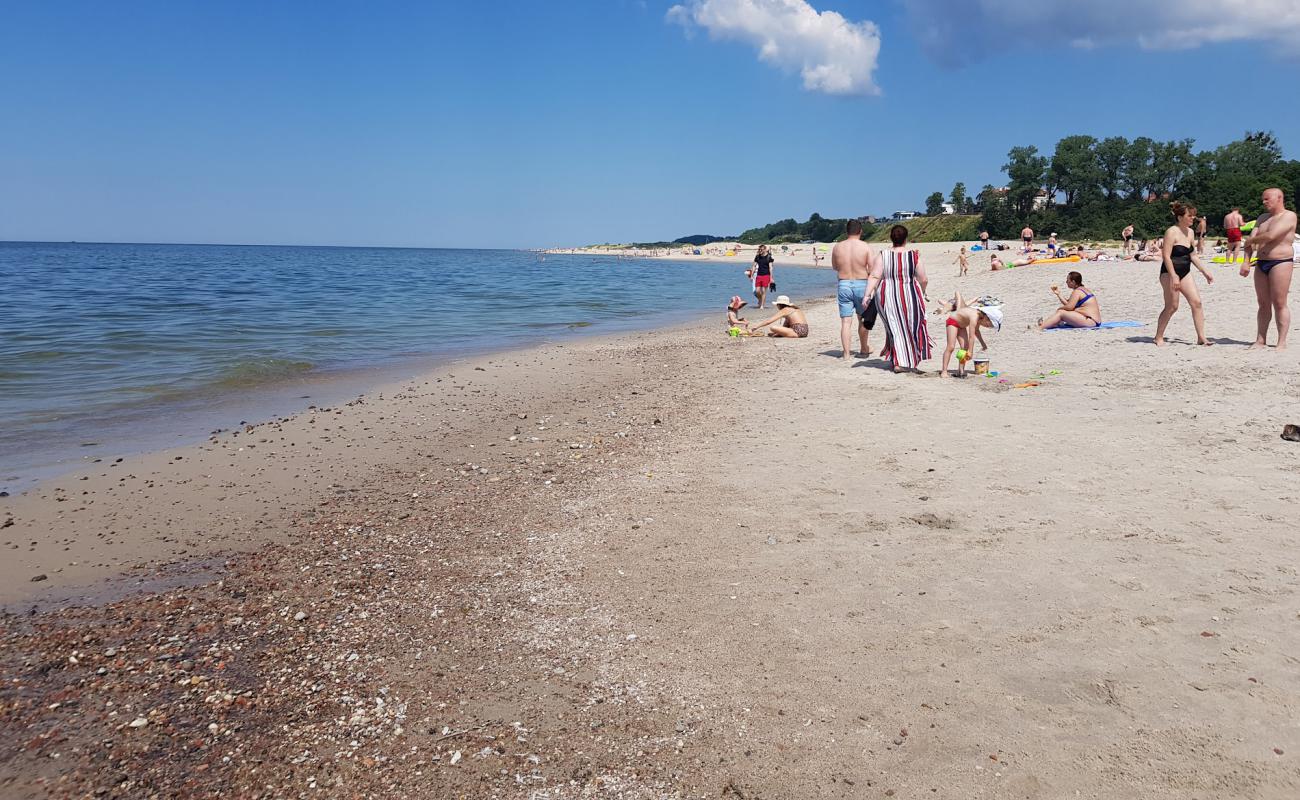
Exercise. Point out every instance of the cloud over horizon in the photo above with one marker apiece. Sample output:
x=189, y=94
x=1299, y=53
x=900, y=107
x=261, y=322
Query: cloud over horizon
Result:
x=832, y=54
x=953, y=31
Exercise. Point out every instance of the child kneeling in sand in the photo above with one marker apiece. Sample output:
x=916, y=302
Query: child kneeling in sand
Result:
x=796, y=324
x=963, y=330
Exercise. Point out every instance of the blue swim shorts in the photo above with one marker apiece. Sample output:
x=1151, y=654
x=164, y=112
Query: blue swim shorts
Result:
x=851, y=296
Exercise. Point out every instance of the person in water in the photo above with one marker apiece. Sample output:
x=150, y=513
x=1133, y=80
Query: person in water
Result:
x=962, y=329
x=1273, y=240
x=761, y=272
x=1079, y=309
x=1178, y=254
x=789, y=321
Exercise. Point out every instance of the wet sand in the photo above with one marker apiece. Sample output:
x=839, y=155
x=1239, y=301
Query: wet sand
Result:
x=685, y=565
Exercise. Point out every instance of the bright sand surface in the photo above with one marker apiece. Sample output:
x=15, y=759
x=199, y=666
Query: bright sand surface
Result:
x=809, y=255
x=678, y=564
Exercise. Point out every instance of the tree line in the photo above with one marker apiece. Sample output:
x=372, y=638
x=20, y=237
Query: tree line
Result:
x=1091, y=188
x=788, y=231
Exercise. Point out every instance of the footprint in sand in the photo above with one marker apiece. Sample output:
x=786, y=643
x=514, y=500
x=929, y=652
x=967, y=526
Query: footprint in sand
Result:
x=934, y=521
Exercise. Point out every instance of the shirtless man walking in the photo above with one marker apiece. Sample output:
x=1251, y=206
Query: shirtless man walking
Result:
x=852, y=260
x=1127, y=236
x=1027, y=236
x=1272, y=239
x=1232, y=223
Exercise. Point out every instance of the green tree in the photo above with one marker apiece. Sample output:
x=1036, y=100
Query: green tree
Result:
x=1170, y=162
x=1111, y=154
x=998, y=218
x=934, y=204
x=817, y=228
x=960, y=202
x=1026, y=170
x=1074, y=169
x=1256, y=154
x=1138, y=177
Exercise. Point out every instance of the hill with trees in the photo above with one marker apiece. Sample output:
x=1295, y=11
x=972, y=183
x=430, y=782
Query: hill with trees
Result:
x=938, y=228
x=701, y=238
x=787, y=231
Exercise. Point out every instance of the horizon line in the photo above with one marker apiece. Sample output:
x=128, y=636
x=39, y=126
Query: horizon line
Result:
x=250, y=244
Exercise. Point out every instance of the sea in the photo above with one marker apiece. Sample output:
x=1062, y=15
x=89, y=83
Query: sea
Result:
x=109, y=349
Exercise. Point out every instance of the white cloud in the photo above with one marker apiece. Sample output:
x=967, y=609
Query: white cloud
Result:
x=957, y=31
x=832, y=54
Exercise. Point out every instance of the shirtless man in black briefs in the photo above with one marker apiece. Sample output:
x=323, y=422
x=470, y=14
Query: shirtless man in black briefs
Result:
x=1272, y=239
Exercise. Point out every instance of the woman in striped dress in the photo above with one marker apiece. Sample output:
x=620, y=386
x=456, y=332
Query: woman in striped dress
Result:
x=899, y=283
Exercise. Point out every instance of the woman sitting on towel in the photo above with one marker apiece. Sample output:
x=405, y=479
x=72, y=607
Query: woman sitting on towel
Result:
x=1079, y=309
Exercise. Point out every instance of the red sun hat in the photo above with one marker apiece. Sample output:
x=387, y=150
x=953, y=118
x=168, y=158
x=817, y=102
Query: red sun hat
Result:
x=736, y=303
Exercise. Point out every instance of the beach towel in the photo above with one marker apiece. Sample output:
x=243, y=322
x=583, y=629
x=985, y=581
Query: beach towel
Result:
x=1119, y=323
x=902, y=307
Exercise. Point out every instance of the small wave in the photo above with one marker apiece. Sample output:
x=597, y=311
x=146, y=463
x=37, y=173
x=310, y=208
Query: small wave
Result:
x=569, y=325
x=261, y=371
x=42, y=355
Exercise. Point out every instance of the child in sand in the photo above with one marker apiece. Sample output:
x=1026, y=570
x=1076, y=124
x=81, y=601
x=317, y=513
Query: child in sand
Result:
x=963, y=330
x=962, y=262
x=734, y=320
x=736, y=324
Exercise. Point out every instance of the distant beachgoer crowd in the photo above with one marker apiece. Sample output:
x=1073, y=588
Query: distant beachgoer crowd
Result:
x=890, y=286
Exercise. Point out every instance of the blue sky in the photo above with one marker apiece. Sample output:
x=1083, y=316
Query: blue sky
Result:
x=522, y=123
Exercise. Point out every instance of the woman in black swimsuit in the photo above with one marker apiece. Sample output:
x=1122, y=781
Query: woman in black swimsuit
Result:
x=1178, y=255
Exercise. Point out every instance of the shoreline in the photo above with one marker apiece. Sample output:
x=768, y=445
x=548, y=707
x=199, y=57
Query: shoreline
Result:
x=36, y=507
x=698, y=566
x=276, y=401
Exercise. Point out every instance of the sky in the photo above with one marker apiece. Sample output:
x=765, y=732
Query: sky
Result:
x=522, y=123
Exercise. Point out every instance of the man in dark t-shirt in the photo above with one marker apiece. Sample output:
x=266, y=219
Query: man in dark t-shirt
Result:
x=762, y=273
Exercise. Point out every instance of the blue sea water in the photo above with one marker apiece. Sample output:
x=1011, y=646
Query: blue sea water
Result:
x=108, y=348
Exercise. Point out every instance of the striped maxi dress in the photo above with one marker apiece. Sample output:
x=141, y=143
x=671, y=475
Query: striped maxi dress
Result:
x=902, y=307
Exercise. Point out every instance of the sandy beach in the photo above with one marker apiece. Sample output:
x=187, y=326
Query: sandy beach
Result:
x=818, y=254
x=682, y=565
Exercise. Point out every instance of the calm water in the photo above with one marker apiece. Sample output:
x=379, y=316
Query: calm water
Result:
x=107, y=348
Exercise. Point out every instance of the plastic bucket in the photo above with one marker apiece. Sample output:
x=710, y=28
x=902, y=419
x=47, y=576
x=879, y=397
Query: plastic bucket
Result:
x=981, y=366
